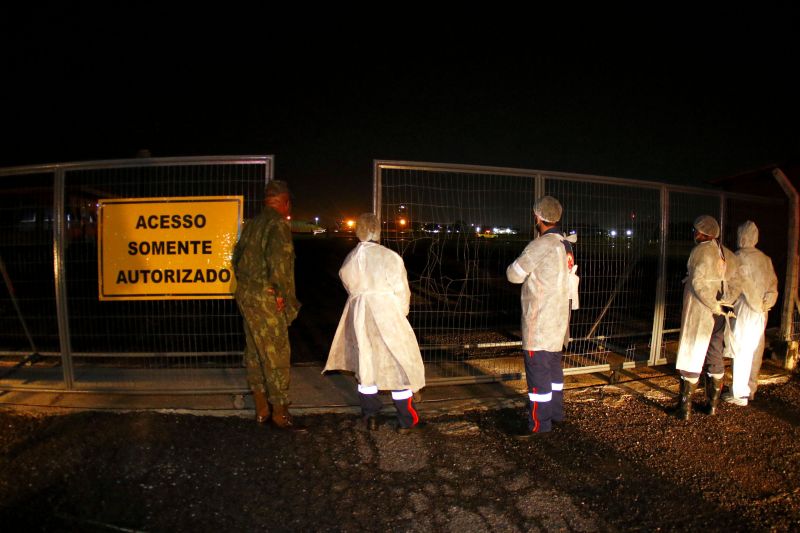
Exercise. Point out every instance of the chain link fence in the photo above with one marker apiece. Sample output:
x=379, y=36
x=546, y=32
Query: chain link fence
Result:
x=50, y=252
x=459, y=227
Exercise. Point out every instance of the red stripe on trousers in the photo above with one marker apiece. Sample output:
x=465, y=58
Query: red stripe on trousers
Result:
x=413, y=412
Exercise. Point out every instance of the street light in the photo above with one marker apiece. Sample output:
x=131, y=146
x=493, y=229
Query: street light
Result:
x=316, y=220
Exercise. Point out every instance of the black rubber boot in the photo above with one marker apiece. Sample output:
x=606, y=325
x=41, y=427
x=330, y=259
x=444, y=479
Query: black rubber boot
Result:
x=713, y=393
x=684, y=408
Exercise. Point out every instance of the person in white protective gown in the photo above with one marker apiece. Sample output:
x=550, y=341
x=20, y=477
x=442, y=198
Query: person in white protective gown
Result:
x=710, y=288
x=759, y=294
x=374, y=339
x=548, y=274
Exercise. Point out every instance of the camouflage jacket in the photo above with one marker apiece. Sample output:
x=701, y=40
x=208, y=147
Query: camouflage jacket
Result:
x=263, y=258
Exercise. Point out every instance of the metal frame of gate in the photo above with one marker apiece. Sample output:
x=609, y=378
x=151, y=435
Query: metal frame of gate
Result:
x=407, y=175
x=229, y=378
x=256, y=171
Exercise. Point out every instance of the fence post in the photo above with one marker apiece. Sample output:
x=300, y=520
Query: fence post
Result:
x=376, y=190
x=656, y=339
x=790, y=286
x=59, y=235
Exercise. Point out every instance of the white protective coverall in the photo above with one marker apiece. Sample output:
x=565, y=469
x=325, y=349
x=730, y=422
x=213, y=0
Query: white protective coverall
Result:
x=374, y=339
x=708, y=276
x=759, y=294
x=546, y=292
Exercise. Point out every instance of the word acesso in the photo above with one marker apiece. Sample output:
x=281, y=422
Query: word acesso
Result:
x=171, y=221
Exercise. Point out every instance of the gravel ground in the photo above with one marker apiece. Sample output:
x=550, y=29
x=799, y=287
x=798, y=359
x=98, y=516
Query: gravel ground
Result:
x=618, y=463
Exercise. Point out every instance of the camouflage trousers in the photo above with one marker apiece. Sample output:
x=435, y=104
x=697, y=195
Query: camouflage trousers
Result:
x=267, y=352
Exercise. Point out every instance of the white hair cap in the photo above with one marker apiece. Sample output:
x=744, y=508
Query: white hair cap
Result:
x=548, y=209
x=747, y=235
x=707, y=225
x=368, y=228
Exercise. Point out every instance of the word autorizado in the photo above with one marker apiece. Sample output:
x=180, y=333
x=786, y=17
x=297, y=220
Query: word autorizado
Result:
x=174, y=275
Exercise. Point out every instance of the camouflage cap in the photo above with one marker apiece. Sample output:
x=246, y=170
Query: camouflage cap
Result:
x=276, y=187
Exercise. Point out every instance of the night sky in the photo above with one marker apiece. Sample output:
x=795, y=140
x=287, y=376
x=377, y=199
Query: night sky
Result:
x=676, y=98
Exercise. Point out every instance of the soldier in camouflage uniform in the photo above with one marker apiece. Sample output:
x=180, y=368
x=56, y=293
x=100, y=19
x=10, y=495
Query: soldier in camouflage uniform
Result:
x=263, y=262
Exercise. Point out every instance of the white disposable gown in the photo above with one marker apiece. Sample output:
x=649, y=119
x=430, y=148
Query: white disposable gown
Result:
x=759, y=294
x=374, y=339
x=548, y=282
x=709, y=276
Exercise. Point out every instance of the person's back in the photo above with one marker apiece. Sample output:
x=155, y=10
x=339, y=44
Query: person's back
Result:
x=759, y=281
x=372, y=268
x=544, y=268
x=545, y=299
x=711, y=286
x=374, y=339
x=250, y=265
x=263, y=262
x=759, y=293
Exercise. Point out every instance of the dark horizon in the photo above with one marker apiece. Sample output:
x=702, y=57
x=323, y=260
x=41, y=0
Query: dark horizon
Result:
x=104, y=84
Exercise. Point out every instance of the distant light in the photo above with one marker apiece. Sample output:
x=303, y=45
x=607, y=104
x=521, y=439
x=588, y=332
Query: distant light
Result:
x=628, y=232
x=613, y=233
x=402, y=221
x=316, y=220
x=506, y=231
x=288, y=217
x=351, y=223
x=478, y=229
x=572, y=232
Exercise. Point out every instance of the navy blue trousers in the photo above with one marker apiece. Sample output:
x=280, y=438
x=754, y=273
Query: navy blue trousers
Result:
x=407, y=415
x=545, y=379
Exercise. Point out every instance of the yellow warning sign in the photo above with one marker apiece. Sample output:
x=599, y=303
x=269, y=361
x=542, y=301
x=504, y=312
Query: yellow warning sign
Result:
x=167, y=248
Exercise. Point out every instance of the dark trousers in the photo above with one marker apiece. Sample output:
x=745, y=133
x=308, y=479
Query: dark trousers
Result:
x=545, y=379
x=716, y=347
x=370, y=404
x=407, y=415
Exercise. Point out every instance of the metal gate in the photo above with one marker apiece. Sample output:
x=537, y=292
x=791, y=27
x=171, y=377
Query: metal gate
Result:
x=49, y=310
x=459, y=227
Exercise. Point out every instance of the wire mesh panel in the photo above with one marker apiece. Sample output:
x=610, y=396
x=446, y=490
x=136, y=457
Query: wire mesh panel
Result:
x=27, y=289
x=146, y=338
x=684, y=208
x=458, y=228
x=457, y=233
x=617, y=253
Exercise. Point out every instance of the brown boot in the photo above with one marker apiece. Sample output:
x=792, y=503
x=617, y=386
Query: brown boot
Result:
x=262, y=407
x=281, y=419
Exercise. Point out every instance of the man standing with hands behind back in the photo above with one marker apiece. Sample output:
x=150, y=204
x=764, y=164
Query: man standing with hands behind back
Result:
x=263, y=262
